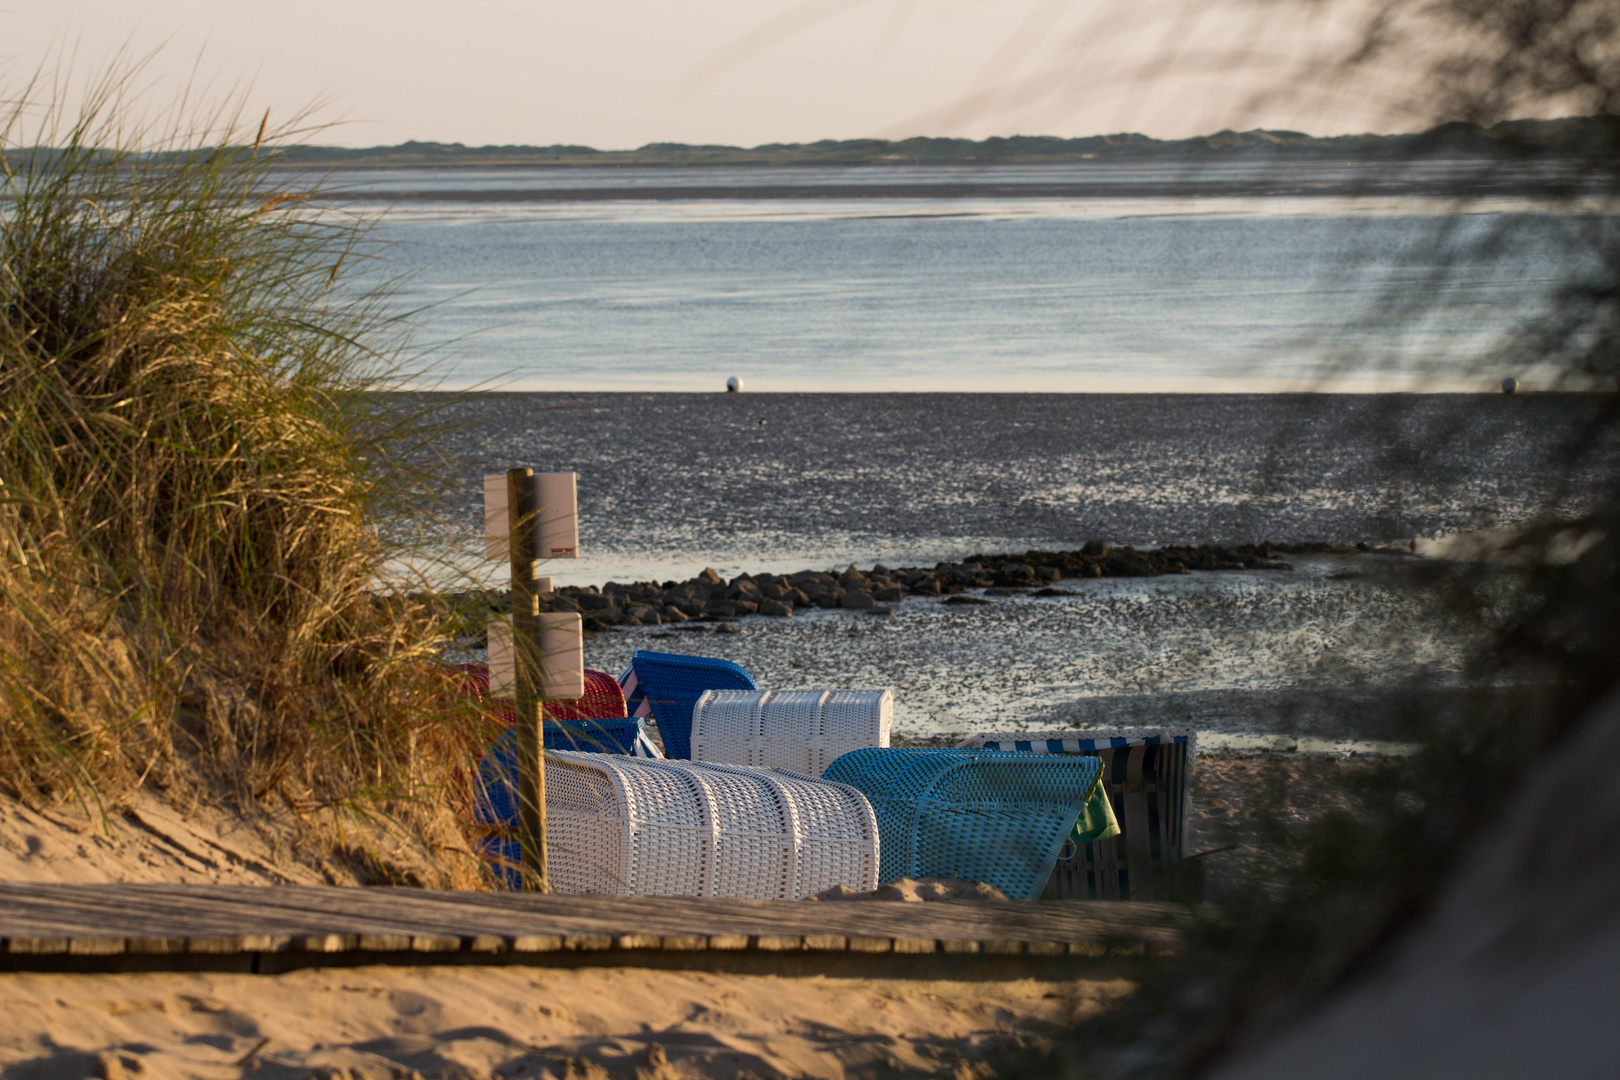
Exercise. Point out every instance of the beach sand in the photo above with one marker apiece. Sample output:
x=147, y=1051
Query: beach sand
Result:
x=473, y=1023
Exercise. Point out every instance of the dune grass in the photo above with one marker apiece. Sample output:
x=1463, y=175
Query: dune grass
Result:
x=198, y=484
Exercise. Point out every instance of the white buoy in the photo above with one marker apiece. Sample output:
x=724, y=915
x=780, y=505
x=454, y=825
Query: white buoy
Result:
x=1510, y=385
x=733, y=385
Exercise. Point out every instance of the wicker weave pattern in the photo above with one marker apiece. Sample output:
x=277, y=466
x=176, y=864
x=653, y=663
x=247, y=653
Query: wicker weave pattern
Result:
x=634, y=827
x=673, y=682
x=982, y=815
x=803, y=731
x=1148, y=775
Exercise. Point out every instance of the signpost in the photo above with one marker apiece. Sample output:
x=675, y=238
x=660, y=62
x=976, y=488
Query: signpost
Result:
x=536, y=655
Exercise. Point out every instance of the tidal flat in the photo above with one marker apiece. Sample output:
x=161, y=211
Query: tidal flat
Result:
x=671, y=484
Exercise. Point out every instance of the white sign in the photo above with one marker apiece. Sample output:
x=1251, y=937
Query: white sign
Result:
x=556, y=523
x=562, y=655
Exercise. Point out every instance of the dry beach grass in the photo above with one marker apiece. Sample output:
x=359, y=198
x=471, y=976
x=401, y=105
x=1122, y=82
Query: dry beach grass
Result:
x=195, y=487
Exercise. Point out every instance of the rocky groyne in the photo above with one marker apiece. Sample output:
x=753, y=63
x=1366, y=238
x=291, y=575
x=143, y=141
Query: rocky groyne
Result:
x=711, y=598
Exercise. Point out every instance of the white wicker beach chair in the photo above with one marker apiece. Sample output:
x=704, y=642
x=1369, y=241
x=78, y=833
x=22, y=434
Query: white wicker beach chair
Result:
x=802, y=731
x=1148, y=775
x=634, y=827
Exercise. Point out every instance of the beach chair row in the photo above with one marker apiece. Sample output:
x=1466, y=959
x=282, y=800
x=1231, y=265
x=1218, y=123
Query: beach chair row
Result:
x=783, y=794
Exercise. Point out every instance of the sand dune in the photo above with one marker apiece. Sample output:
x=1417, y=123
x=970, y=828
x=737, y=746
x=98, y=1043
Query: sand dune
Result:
x=148, y=840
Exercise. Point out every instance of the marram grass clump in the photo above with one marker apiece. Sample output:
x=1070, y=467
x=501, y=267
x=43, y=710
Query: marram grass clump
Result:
x=196, y=483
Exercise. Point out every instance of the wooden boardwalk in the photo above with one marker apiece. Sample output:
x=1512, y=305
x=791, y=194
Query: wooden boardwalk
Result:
x=107, y=927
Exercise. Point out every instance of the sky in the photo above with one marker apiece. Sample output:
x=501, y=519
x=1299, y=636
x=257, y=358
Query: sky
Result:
x=623, y=73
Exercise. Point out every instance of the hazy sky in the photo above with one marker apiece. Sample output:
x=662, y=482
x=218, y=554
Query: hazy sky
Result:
x=621, y=73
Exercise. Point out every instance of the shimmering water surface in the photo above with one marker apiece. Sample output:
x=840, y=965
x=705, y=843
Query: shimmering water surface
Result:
x=610, y=289
x=671, y=483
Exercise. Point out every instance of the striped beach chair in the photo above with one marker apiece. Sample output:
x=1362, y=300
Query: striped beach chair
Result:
x=1147, y=773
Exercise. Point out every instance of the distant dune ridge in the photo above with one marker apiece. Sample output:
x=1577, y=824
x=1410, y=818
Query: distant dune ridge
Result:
x=1507, y=139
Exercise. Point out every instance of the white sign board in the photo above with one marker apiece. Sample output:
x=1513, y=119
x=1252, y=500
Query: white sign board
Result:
x=562, y=656
x=497, y=527
x=557, y=522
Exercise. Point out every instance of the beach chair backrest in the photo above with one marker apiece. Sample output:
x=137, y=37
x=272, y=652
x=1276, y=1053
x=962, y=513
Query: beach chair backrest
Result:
x=802, y=731
x=975, y=814
x=672, y=684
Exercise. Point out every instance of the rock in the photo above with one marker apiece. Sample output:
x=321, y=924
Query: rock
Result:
x=1000, y=592
x=879, y=611
x=726, y=628
x=1048, y=573
x=595, y=626
x=965, y=600
x=673, y=614
x=1095, y=548
x=744, y=607
x=774, y=607
x=889, y=594
x=856, y=600
x=709, y=577
x=1056, y=592
x=722, y=610
x=796, y=597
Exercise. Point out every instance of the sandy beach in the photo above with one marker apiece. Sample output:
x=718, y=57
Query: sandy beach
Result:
x=477, y=1023
x=379, y=1023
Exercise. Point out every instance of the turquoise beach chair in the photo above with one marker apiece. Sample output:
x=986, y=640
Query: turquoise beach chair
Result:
x=979, y=815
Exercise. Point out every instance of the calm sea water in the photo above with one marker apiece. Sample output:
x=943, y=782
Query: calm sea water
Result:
x=571, y=280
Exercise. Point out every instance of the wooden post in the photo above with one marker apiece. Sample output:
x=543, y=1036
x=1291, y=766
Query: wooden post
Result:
x=526, y=699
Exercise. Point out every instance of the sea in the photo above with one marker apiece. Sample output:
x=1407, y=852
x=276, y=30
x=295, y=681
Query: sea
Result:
x=954, y=278
x=941, y=362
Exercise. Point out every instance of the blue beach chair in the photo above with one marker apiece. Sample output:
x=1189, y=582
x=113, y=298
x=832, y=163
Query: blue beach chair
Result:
x=1147, y=773
x=672, y=683
x=980, y=815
